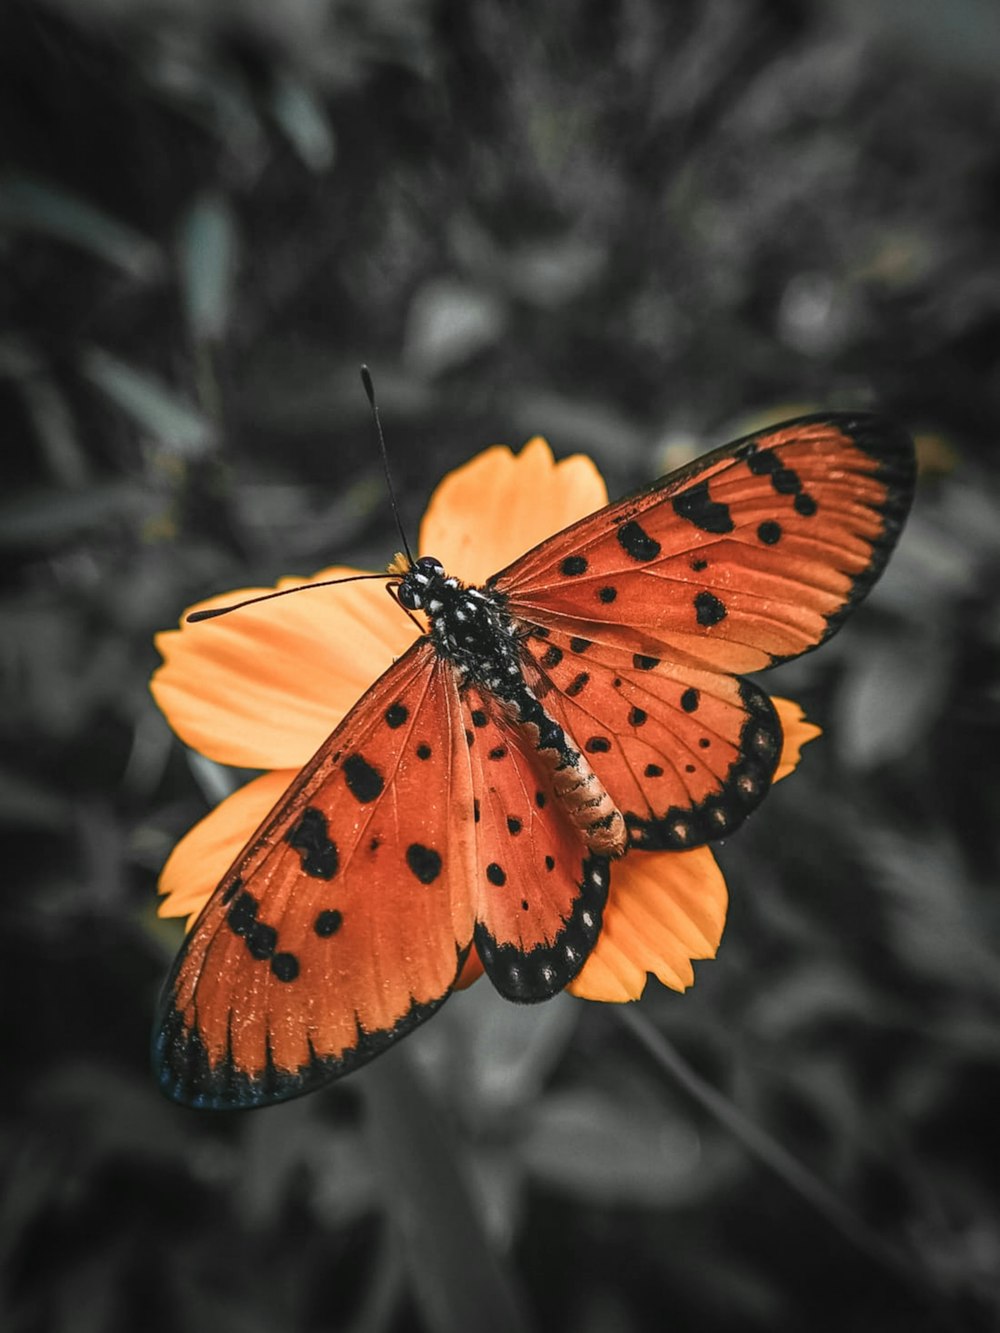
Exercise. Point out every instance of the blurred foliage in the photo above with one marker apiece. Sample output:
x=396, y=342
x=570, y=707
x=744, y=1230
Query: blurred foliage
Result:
x=637, y=228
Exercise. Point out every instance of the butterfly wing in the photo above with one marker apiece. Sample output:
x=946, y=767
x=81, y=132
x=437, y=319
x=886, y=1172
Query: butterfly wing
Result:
x=684, y=752
x=639, y=618
x=539, y=893
x=346, y=919
x=749, y=556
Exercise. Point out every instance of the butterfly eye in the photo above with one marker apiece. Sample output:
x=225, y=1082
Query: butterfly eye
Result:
x=409, y=596
x=429, y=564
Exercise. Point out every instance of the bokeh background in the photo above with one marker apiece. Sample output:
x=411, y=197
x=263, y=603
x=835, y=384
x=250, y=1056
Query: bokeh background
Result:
x=639, y=227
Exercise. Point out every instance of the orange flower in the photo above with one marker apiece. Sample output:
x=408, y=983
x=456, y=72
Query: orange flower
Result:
x=265, y=687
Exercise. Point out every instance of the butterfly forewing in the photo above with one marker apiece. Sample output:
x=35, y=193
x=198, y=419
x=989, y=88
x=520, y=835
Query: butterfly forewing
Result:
x=539, y=893
x=747, y=557
x=345, y=921
x=685, y=753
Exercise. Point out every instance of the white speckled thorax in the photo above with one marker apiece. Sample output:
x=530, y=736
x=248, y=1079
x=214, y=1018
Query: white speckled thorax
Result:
x=468, y=625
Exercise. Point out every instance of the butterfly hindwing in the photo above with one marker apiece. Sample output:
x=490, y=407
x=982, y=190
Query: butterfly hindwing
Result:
x=346, y=919
x=539, y=893
x=749, y=556
x=684, y=753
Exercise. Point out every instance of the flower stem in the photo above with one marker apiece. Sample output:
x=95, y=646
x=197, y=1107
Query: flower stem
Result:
x=772, y=1155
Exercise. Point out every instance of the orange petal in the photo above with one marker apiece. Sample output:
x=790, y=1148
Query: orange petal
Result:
x=265, y=686
x=205, y=853
x=798, y=732
x=487, y=513
x=664, y=909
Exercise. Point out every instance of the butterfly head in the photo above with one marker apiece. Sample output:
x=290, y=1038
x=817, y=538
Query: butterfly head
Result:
x=419, y=582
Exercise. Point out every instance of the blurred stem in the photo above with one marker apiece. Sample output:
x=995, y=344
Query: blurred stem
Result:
x=770, y=1153
x=459, y=1281
x=207, y=383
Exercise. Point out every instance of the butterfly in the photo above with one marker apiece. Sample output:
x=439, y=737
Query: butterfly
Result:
x=589, y=700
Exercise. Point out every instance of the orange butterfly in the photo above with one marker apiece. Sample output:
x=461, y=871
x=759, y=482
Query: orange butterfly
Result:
x=583, y=702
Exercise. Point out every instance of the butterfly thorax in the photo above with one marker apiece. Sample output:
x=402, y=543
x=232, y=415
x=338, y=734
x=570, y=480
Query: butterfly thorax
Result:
x=473, y=630
x=469, y=626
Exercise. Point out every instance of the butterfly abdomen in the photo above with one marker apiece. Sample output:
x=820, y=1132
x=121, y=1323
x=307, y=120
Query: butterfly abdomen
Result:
x=574, y=783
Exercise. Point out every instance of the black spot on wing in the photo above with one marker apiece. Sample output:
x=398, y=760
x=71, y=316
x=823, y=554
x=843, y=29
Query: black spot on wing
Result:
x=607, y=594
x=769, y=532
x=578, y=645
x=643, y=663
x=242, y=914
x=637, y=544
x=574, y=564
x=637, y=716
x=328, y=922
x=597, y=745
x=424, y=862
x=310, y=838
x=479, y=718
x=709, y=610
x=262, y=940
x=514, y=825
x=577, y=684
x=696, y=506
x=364, y=781
x=423, y=750
x=285, y=966
x=761, y=462
x=552, y=656
x=396, y=714
x=690, y=699
x=495, y=874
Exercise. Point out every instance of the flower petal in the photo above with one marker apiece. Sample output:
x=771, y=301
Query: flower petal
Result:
x=265, y=686
x=798, y=732
x=501, y=504
x=205, y=853
x=664, y=909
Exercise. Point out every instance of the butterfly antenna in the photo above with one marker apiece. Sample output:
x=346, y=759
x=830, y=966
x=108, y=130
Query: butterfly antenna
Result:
x=213, y=612
x=366, y=380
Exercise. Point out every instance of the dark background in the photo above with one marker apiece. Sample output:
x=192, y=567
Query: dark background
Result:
x=639, y=228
